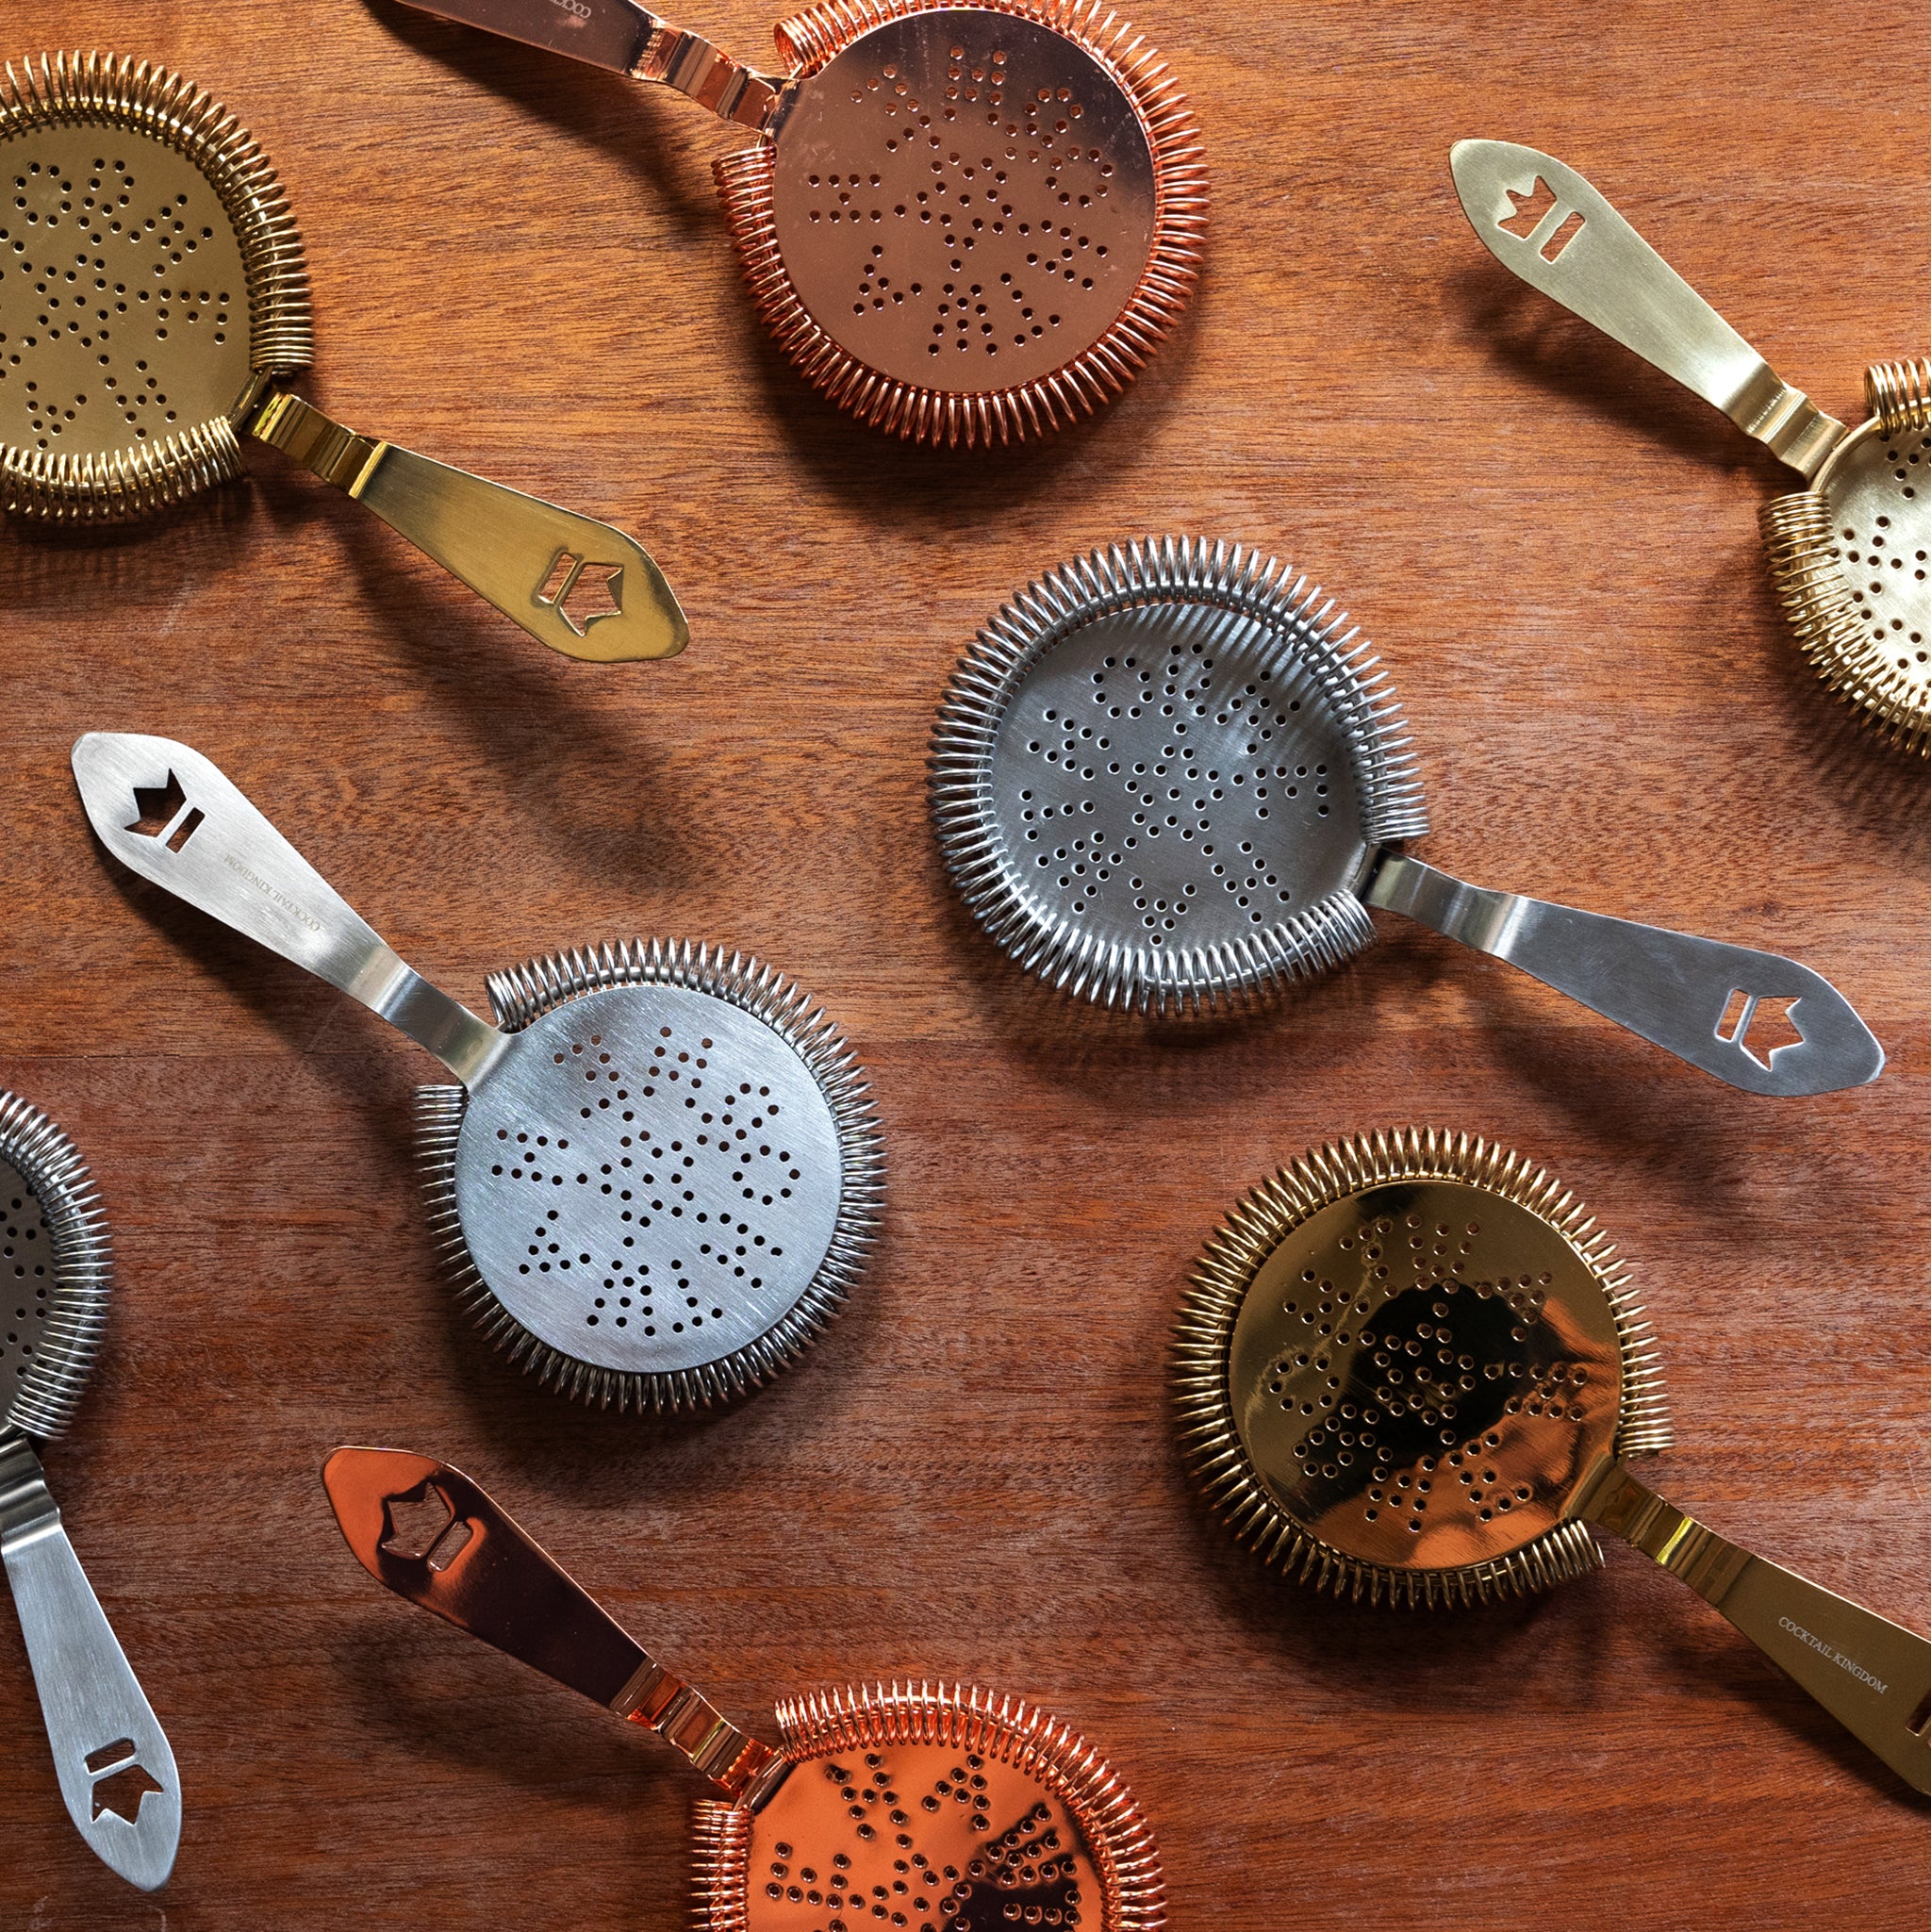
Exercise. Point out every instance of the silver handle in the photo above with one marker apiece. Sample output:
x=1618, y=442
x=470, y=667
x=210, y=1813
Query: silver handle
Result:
x=1697, y=999
x=174, y=817
x=117, y=1773
x=1578, y=251
x=1873, y=1675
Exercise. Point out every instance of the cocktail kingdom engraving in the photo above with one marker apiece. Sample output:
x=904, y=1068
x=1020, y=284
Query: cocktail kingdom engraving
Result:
x=1834, y=1655
x=281, y=899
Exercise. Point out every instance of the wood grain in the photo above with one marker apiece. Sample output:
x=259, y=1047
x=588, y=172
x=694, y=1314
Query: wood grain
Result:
x=520, y=265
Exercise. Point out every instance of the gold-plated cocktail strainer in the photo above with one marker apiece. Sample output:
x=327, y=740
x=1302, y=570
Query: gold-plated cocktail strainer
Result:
x=965, y=224
x=1408, y=1370
x=931, y=1808
x=154, y=305
x=1849, y=553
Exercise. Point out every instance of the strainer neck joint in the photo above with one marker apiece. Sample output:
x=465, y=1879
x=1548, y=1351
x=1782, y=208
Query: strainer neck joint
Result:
x=27, y=1511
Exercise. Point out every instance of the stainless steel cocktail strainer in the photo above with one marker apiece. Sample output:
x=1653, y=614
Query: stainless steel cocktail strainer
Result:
x=154, y=305
x=1170, y=777
x=664, y=1173
x=931, y=1808
x=115, y=1770
x=963, y=224
x=1408, y=1370
x=1849, y=553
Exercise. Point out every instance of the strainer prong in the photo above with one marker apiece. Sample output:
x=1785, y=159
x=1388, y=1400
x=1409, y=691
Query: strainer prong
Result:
x=174, y=817
x=1873, y=1675
x=1694, y=998
x=461, y=1555
x=1580, y=252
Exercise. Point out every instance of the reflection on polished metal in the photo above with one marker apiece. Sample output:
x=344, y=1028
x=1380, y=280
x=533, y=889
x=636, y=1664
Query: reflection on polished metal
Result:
x=117, y=1773
x=965, y=224
x=962, y=1809
x=1172, y=777
x=1848, y=552
x=154, y=302
x=1408, y=1370
x=661, y=1173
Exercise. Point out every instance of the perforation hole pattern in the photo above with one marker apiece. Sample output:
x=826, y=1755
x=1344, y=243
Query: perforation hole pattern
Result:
x=929, y=1838
x=26, y=1283
x=1882, y=546
x=964, y=207
x=1171, y=777
x=124, y=306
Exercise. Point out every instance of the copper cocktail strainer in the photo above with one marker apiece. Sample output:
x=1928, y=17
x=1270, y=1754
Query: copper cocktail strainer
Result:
x=154, y=305
x=933, y=1808
x=1171, y=777
x=963, y=224
x=1410, y=1370
x=1849, y=553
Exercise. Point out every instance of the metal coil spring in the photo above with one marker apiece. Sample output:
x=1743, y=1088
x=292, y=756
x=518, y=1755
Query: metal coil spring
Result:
x=1899, y=393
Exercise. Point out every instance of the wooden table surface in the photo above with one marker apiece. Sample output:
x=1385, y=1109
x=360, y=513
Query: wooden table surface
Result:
x=519, y=266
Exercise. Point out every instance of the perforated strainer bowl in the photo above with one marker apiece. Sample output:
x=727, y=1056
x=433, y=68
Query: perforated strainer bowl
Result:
x=1170, y=777
x=963, y=224
x=661, y=1173
x=154, y=305
x=1851, y=553
x=927, y=1806
x=115, y=1770
x=1408, y=1370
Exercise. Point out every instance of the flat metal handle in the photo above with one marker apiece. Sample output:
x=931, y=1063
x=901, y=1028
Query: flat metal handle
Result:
x=115, y=1770
x=1873, y=1675
x=1719, y=1007
x=583, y=587
x=622, y=37
x=433, y=1535
x=174, y=817
x=1545, y=222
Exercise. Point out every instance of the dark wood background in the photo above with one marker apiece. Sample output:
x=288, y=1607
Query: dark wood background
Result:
x=519, y=266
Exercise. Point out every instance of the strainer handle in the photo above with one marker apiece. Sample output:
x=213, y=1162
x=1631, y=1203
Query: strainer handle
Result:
x=1873, y=1675
x=584, y=589
x=1578, y=251
x=1717, y=1006
x=472, y=1563
x=174, y=817
x=116, y=1769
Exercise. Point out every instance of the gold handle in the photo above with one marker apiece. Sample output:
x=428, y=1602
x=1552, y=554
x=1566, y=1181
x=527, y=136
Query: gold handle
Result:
x=576, y=585
x=1873, y=1675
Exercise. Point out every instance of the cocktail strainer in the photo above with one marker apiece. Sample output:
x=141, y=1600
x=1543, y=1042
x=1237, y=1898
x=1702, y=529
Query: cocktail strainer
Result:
x=1849, y=553
x=963, y=224
x=661, y=1172
x=117, y=1773
x=154, y=305
x=1170, y=777
x=1408, y=1369
x=933, y=1808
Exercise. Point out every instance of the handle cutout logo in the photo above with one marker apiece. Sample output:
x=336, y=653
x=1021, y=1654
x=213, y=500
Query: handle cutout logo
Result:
x=582, y=593
x=121, y=1780
x=165, y=814
x=1766, y=1015
x=1531, y=209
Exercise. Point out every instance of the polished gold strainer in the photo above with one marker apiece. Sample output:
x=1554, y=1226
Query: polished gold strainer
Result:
x=1850, y=554
x=931, y=1808
x=1408, y=1370
x=965, y=224
x=154, y=305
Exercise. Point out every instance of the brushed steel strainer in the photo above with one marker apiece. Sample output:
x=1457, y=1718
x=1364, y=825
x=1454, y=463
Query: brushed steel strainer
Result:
x=1410, y=1370
x=1171, y=777
x=1849, y=553
x=662, y=1171
x=154, y=305
x=116, y=1769
x=927, y=1807
x=963, y=224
